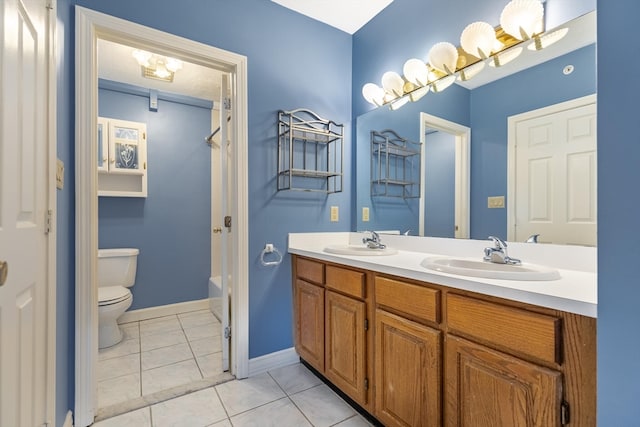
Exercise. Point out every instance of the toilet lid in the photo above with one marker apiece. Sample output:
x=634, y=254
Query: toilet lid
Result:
x=112, y=294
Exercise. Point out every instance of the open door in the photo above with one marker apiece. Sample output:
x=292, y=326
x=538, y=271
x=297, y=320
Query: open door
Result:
x=227, y=230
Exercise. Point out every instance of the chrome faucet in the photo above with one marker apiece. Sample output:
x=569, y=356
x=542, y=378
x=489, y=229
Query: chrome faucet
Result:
x=498, y=253
x=373, y=242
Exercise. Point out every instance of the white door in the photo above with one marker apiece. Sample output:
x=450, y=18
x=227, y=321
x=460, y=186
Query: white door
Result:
x=23, y=204
x=555, y=174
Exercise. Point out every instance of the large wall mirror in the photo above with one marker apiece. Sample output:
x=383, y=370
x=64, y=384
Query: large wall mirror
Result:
x=470, y=190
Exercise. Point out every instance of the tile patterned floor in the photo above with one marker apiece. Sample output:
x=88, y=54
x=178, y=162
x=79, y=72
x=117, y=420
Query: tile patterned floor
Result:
x=286, y=397
x=159, y=354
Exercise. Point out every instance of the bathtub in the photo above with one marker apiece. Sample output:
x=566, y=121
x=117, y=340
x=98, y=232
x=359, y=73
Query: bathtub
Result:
x=215, y=296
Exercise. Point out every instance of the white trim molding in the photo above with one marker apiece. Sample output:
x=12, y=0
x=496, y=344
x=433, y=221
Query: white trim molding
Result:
x=91, y=25
x=163, y=310
x=278, y=359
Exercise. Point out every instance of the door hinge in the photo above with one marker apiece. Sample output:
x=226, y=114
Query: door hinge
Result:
x=565, y=416
x=227, y=222
x=366, y=383
x=47, y=221
x=227, y=332
x=227, y=103
x=366, y=324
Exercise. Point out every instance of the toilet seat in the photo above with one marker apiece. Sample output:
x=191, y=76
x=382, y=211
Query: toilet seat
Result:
x=110, y=295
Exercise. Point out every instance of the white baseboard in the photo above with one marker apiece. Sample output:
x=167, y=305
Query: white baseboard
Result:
x=163, y=310
x=68, y=421
x=278, y=359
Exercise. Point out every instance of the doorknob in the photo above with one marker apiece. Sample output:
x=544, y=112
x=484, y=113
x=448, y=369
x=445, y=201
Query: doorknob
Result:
x=4, y=271
x=217, y=230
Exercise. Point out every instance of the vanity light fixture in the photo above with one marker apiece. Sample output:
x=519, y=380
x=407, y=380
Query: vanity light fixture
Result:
x=157, y=67
x=520, y=21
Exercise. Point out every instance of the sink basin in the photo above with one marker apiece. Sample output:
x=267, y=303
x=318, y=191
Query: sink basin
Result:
x=490, y=270
x=359, y=250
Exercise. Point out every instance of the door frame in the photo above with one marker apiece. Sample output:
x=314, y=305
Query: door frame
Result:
x=512, y=123
x=462, y=135
x=91, y=25
x=52, y=206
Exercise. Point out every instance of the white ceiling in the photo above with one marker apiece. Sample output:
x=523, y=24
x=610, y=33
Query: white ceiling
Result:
x=346, y=15
x=116, y=62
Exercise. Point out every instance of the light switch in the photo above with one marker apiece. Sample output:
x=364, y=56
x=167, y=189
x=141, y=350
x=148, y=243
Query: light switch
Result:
x=495, y=202
x=334, y=214
x=59, y=174
x=365, y=214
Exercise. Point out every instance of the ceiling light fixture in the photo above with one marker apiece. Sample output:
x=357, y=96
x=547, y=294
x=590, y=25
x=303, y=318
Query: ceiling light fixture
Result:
x=157, y=67
x=480, y=43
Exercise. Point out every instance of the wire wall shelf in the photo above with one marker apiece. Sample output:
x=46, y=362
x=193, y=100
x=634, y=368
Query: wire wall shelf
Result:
x=310, y=152
x=395, y=165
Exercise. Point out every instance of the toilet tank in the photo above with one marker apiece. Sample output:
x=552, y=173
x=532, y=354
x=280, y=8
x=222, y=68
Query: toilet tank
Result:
x=117, y=267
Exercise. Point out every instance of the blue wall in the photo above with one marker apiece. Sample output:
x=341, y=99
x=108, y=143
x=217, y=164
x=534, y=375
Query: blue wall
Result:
x=171, y=226
x=293, y=61
x=618, y=207
x=439, y=185
x=493, y=103
x=391, y=213
x=65, y=221
x=618, y=154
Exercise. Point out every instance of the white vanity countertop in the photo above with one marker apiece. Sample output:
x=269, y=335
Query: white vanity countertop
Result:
x=575, y=292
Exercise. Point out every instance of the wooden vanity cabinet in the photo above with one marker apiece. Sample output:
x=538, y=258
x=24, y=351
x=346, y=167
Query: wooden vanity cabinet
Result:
x=309, y=323
x=438, y=356
x=487, y=388
x=408, y=354
x=308, y=311
x=517, y=365
x=331, y=324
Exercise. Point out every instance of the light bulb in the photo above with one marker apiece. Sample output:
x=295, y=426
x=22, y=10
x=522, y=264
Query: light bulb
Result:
x=393, y=83
x=522, y=19
x=142, y=56
x=161, y=71
x=478, y=39
x=173, y=64
x=373, y=94
x=416, y=72
x=443, y=56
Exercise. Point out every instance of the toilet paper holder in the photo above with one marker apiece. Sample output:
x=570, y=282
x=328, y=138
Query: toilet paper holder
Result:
x=269, y=248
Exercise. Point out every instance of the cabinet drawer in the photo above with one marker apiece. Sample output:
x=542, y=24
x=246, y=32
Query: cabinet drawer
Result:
x=310, y=271
x=347, y=281
x=529, y=333
x=414, y=300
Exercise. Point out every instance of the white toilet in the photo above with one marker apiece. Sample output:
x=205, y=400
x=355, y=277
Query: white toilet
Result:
x=116, y=273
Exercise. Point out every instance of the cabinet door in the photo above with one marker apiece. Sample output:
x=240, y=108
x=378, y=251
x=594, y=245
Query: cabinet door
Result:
x=127, y=149
x=309, y=323
x=407, y=372
x=345, y=356
x=486, y=388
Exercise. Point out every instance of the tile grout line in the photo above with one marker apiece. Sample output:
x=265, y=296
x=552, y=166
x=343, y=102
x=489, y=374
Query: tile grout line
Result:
x=290, y=399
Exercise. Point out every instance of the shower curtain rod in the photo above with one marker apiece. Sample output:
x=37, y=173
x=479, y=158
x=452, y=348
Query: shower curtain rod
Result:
x=209, y=139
